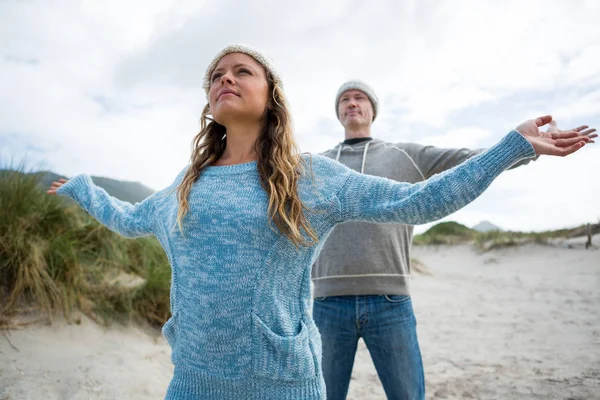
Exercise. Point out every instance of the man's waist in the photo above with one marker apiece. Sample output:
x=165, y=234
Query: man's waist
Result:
x=367, y=284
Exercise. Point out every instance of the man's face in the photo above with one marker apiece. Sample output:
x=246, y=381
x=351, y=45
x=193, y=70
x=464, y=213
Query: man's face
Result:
x=355, y=109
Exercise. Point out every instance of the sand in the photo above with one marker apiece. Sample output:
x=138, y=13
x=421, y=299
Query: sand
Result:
x=519, y=323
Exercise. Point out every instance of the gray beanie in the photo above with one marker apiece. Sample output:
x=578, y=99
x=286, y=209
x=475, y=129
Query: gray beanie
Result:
x=361, y=86
x=239, y=48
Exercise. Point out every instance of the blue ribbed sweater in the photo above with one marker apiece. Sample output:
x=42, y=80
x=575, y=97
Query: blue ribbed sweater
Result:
x=240, y=291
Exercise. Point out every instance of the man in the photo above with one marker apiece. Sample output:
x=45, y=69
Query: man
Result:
x=361, y=278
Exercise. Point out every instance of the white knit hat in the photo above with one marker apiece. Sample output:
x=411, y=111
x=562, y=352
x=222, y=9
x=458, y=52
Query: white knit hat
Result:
x=361, y=86
x=238, y=48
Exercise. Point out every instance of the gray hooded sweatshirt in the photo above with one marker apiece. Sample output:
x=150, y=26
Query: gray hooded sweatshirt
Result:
x=363, y=258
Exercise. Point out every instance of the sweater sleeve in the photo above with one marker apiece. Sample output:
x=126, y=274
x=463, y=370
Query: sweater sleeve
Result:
x=432, y=160
x=126, y=219
x=375, y=199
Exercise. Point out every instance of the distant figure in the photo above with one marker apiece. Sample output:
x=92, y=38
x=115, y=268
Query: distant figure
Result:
x=588, y=244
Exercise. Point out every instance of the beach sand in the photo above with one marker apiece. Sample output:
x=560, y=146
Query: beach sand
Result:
x=516, y=323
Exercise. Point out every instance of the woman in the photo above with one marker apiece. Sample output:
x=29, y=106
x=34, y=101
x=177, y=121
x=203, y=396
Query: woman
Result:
x=242, y=224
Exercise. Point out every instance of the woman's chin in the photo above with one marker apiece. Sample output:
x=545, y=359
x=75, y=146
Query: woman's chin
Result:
x=225, y=115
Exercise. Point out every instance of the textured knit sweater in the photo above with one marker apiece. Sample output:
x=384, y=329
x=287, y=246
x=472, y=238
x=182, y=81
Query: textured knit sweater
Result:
x=240, y=290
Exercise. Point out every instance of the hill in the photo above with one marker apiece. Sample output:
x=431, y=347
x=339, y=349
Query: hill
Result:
x=486, y=226
x=131, y=192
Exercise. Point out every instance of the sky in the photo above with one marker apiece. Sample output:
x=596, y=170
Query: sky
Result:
x=114, y=88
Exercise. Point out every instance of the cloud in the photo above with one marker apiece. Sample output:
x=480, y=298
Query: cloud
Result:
x=114, y=88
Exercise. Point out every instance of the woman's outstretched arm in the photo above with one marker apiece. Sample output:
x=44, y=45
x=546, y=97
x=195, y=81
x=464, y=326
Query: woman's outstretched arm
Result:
x=129, y=220
x=369, y=198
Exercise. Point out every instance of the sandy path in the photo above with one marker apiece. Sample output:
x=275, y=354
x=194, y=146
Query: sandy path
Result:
x=513, y=324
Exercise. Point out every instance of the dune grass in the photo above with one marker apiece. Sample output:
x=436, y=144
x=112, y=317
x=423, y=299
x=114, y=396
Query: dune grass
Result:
x=448, y=233
x=55, y=257
x=451, y=233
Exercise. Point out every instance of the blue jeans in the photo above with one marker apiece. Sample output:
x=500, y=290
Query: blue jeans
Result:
x=388, y=326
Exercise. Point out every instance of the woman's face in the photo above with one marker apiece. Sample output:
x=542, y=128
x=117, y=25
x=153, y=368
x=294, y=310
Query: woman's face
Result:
x=239, y=91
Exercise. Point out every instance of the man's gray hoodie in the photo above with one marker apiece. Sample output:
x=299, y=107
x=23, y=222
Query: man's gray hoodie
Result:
x=362, y=258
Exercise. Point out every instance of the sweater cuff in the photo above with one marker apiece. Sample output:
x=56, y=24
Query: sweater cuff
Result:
x=510, y=150
x=78, y=184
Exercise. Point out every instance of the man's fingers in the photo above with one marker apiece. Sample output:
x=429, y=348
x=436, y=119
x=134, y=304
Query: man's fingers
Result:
x=541, y=121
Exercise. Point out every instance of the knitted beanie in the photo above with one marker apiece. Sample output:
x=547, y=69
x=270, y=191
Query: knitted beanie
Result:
x=360, y=86
x=238, y=48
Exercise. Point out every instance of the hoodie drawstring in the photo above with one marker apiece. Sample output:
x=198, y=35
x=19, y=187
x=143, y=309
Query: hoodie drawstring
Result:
x=364, y=159
x=362, y=167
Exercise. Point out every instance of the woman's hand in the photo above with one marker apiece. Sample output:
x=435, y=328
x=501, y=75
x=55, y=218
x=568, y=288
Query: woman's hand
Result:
x=583, y=130
x=560, y=143
x=55, y=185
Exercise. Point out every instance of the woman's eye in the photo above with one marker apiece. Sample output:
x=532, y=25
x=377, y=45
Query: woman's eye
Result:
x=215, y=77
x=246, y=71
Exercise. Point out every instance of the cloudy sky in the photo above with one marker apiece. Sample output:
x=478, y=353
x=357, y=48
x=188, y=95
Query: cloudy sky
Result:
x=113, y=88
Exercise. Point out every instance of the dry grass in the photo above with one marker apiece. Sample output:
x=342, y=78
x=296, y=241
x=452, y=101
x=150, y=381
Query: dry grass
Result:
x=56, y=258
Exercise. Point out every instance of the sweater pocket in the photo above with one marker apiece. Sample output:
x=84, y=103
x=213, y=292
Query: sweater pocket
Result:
x=279, y=357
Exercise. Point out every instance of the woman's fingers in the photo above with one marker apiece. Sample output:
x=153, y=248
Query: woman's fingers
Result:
x=589, y=133
x=571, y=141
x=541, y=121
x=565, y=151
x=564, y=135
x=55, y=185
